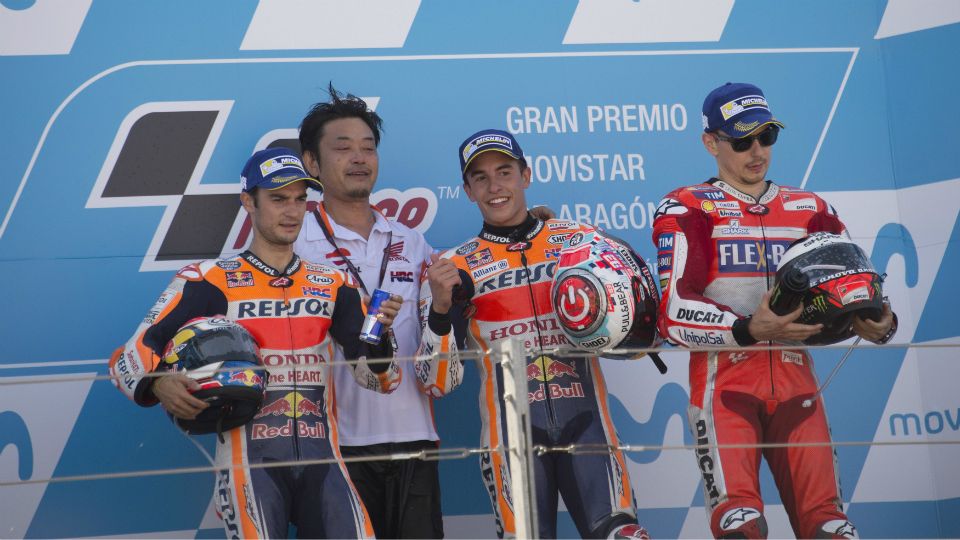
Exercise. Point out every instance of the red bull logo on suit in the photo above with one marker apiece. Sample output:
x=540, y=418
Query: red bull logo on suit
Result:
x=295, y=406
x=544, y=369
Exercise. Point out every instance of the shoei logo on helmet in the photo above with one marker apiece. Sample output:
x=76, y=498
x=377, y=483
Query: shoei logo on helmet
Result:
x=578, y=302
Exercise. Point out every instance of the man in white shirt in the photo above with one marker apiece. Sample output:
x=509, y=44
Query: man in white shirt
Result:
x=339, y=140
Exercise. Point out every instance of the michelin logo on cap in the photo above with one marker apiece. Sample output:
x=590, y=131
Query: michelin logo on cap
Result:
x=275, y=164
x=475, y=144
x=737, y=106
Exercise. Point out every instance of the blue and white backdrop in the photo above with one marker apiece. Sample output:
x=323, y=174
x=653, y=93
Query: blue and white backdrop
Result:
x=125, y=125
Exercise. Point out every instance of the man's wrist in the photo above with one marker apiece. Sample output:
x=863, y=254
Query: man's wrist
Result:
x=741, y=331
x=439, y=323
x=890, y=333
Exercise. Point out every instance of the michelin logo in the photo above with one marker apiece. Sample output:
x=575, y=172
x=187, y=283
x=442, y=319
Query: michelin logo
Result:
x=277, y=163
x=480, y=141
x=737, y=106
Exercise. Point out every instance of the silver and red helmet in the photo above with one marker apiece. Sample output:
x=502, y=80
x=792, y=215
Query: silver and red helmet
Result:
x=604, y=295
x=834, y=280
x=224, y=359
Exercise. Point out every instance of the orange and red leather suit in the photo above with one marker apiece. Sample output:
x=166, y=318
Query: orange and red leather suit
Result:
x=298, y=315
x=506, y=278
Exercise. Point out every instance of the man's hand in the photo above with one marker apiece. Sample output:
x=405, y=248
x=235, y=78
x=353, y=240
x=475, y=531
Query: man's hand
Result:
x=765, y=325
x=443, y=275
x=389, y=309
x=874, y=330
x=542, y=213
x=172, y=391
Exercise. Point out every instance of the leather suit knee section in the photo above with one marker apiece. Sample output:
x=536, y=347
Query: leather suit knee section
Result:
x=620, y=526
x=741, y=522
x=836, y=528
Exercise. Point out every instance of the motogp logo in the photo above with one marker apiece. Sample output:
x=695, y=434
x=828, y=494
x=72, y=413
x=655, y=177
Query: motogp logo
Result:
x=159, y=156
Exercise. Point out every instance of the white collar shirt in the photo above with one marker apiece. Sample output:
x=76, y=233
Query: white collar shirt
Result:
x=366, y=417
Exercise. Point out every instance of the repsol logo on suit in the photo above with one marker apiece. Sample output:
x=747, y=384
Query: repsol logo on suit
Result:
x=490, y=482
x=277, y=308
x=519, y=277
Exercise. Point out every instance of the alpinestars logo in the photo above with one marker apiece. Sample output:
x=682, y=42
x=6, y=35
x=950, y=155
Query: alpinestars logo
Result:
x=737, y=517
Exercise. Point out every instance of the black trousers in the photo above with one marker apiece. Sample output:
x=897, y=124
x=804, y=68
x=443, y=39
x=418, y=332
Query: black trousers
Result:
x=402, y=497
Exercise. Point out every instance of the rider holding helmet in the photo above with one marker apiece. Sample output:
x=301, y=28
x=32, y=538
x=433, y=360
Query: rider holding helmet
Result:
x=298, y=313
x=497, y=286
x=719, y=244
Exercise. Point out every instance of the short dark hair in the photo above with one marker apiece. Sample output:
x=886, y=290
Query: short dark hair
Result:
x=521, y=162
x=253, y=195
x=339, y=106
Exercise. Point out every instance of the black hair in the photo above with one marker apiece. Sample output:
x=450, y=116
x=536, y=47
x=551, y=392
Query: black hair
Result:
x=339, y=106
x=252, y=192
x=521, y=162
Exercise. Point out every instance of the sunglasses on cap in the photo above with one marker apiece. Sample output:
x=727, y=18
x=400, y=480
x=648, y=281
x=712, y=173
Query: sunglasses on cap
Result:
x=766, y=138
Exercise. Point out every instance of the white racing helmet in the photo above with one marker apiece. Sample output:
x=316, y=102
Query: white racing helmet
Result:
x=604, y=295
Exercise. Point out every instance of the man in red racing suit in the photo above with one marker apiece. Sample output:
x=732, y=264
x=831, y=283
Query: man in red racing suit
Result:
x=719, y=244
x=298, y=316
x=503, y=279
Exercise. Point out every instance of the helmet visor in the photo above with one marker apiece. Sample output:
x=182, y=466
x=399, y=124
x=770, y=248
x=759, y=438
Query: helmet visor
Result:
x=220, y=345
x=824, y=258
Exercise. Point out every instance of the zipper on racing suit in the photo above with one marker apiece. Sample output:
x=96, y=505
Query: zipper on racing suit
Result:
x=296, y=389
x=553, y=426
x=766, y=267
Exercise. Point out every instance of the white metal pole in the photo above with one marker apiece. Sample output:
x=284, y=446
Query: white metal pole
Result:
x=519, y=446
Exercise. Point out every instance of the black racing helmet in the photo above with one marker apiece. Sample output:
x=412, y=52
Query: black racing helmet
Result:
x=224, y=359
x=834, y=280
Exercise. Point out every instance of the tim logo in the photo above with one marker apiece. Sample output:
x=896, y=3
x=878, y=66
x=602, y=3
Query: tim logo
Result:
x=158, y=158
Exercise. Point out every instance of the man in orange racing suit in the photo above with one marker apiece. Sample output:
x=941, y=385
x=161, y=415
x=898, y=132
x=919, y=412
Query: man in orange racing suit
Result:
x=719, y=244
x=503, y=279
x=295, y=310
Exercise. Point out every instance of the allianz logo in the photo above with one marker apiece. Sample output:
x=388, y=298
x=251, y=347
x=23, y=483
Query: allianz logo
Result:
x=905, y=424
